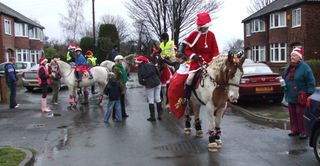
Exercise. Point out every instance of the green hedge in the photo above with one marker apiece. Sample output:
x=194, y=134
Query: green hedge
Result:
x=315, y=66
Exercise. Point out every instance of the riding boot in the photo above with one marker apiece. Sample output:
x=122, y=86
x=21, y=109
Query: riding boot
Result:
x=44, y=105
x=159, y=110
x=152, y=116
x=186, y=100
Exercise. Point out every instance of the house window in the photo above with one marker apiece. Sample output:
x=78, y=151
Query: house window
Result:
x=36, y=33
x=22, y=55
x=278, y=52
x=257, y=25
x=258, y=53
x=21, y=29
x=248, y=31
x=278, y=20
x=7, y=26
x=296, y=17
x=35, y=55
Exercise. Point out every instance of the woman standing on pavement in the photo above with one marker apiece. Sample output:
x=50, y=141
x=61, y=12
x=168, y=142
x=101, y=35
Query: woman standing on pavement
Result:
x=122, y=77
x=149, y=77
x=300, y=84
x=44, y=81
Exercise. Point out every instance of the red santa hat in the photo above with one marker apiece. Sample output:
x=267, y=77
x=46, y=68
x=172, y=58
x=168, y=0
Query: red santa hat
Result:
x=203, y=20
x=141, y=58
x=43, y=60
x=298, y=52
x=71, y=46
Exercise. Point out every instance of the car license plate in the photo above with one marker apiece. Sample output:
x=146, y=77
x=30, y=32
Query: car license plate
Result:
x=264, y=89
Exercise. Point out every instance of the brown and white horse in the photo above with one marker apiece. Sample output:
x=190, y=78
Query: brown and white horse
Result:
x=100, y=76
x=219, y=83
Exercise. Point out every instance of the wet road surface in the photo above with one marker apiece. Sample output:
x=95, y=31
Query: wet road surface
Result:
x=79, y=137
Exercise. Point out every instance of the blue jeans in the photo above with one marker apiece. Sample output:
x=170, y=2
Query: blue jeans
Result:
x=12, y=86
x=116, y=104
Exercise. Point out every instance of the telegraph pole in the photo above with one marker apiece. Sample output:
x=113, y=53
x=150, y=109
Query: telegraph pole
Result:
x=94, y=28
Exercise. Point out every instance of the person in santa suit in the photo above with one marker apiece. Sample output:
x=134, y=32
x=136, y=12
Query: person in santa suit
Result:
x=200, y=47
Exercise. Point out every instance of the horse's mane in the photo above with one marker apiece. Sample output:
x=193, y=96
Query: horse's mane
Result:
x=218, y=64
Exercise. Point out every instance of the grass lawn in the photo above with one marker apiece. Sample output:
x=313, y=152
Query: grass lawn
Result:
x=11, y=156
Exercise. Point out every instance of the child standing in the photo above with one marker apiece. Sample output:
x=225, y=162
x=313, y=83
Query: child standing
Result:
x=113, y=90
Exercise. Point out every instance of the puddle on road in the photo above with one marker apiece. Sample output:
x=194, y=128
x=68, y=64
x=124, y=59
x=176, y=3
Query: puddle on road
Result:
x=296, y=152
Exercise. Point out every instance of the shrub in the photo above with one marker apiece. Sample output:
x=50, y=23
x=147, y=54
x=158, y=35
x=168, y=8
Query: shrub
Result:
x=315, y=66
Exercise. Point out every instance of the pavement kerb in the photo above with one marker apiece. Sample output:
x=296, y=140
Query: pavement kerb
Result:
x=258, y=117
x=28, y=160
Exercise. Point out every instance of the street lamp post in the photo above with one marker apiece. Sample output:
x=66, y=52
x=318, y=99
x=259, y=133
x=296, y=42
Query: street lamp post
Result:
x=93, y=27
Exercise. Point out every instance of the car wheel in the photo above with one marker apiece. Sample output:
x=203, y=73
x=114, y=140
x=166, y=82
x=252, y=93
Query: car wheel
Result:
x=316, y=144
x=29, y=88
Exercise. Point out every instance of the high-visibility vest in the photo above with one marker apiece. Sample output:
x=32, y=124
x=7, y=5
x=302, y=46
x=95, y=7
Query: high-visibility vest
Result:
x=167, y=49
x=93, y=61
x=69, y=57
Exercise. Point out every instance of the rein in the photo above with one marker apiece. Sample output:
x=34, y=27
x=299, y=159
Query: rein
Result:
x=55, y=61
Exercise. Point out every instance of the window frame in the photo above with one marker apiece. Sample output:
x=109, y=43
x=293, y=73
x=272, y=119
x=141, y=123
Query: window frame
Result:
x=296, y=12
x=22, y=55
x=35, y=55
x=278, y=16
x=261, y=56
x=248, y=29
x=276, y=50
x=7, y=26
x=258, y=24
x=21, y=29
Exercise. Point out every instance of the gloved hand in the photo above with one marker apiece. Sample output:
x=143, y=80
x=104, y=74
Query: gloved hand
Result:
x=195, y=57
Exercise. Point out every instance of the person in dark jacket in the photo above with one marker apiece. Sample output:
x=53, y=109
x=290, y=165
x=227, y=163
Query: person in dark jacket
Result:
x=12, y=79
x=44, y=80
x=113, y=90
x=149, y=77
x=298, y=77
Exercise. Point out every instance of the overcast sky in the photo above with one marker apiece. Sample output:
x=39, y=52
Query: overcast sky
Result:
x=226, y=24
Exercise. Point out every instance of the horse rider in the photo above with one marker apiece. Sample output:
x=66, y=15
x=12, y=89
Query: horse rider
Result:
x=200, y=43
x=70, y=57
x=91, y=62
x=81, y=65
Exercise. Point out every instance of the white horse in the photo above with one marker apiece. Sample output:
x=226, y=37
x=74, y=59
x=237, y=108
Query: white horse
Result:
x=218, y=84
x=100, y=76
x=107, y=64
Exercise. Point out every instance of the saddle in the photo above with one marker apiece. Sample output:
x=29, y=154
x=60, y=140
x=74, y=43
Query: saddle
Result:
x=83, y=72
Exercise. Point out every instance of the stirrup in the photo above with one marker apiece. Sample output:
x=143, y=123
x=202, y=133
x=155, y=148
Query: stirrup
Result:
x=90, y=77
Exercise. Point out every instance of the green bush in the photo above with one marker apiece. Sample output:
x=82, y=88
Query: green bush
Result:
x=86, y=43
x=108, y=37
x=315, y=66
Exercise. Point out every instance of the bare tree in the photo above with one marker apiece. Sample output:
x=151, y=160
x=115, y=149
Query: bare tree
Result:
x=258, y=4
x=143, y=35
x=120, y=23
x=174, y=15
x=72, y=23
x=234, y=45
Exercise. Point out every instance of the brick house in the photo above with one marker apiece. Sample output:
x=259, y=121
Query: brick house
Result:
x=272, y=32
x=19, y=36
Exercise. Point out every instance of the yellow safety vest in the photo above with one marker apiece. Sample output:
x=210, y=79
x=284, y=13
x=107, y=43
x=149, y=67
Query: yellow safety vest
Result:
x=68, y=56
x=167, y=50
x=93, y=60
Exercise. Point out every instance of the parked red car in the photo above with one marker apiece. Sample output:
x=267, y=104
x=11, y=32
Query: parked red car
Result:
x=259, y=83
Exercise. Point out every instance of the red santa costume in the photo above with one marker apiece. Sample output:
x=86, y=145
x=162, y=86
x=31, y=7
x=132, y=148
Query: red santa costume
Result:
x=201, y=44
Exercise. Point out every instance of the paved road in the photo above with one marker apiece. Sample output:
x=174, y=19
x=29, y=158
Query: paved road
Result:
x=80, y=138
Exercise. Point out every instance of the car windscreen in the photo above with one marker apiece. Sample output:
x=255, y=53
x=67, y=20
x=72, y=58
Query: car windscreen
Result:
x=35, y=67
x=20, y=66
x=257, y=70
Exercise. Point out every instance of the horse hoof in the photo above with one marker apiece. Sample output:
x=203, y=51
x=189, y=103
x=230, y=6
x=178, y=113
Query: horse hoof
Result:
x=212, y=145
x=187, y=131
x=212, y=149
x=199, y=133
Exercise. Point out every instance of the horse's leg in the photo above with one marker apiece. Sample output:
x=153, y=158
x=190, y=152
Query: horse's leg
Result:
x=218, y=118
x=187, y=127
x=72, y=99
x=86, y=96
x=101, y=89
x=197, y=121
x=212, y=146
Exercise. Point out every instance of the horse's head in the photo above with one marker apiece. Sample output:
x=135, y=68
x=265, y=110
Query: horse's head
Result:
x=234, y=72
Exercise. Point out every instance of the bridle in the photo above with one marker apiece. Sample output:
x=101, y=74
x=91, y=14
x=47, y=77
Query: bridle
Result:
x=56, y=63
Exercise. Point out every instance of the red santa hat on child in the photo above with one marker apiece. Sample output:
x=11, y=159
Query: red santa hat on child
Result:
x=141, y=58
x=203, y=20
x=298, y=52
x=43, y=60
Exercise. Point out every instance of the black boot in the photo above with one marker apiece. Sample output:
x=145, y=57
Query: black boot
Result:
x=152, y=117
x=159, y=109
x=187, y=95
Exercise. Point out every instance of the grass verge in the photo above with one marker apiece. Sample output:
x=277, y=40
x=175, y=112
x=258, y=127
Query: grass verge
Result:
x=11, y=156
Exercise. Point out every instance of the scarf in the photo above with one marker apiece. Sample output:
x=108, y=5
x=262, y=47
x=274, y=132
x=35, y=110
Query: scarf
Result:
x=291, y=70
